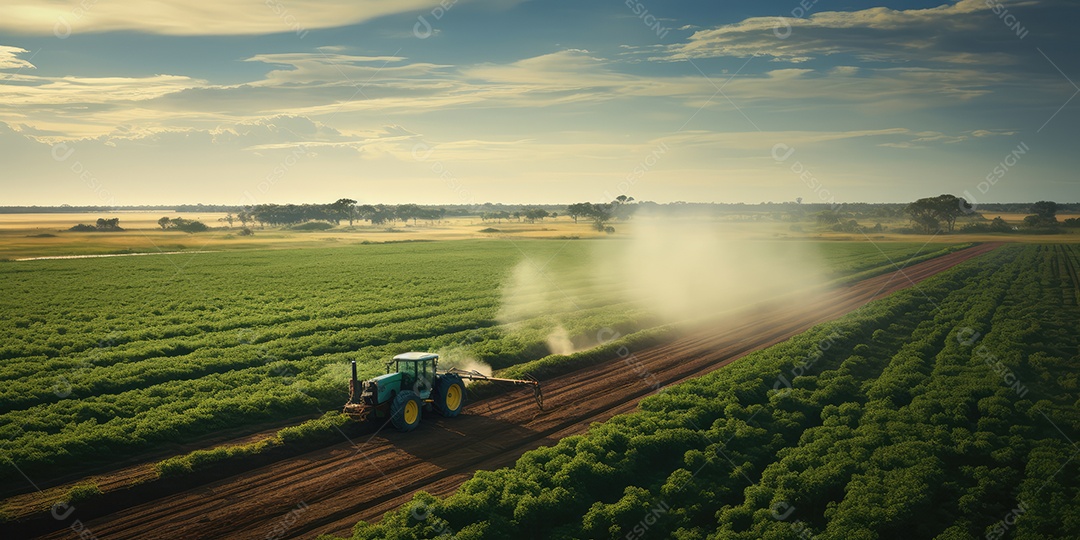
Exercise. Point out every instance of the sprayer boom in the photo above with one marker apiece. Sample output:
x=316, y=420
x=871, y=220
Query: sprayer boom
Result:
x=474, y=375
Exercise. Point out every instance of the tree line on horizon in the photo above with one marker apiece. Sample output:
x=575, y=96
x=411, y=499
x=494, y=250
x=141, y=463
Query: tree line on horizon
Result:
x=931, y=215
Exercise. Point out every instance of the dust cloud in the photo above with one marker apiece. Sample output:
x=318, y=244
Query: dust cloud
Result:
x=558, y=341
x=532, y=298
x=679, y=270
x=531, y=291
x=460, y=357
x=687, y=269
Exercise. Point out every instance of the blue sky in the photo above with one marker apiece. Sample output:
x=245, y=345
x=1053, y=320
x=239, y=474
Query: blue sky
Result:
x=254, y=101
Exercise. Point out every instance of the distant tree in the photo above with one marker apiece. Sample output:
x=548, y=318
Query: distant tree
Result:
x=380, y=214
x=599, y=213
x=164, y=223
x=534, y=214
x=929, y=213
x=924, y=218
x=343, y=209
x=227, y=219
x=430, y=214
x=578, y=210
x=1045, y=209
x=1043, y=214
x=364, y=211
x=111, y=224
x=828, y=217
x=1033, y=220
x=187, y=225
x=406, y=212
x=194, y=226
x=950, y=207
x=621, y=207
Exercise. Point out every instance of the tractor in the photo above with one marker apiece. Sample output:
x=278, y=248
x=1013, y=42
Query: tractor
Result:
x=416, y=385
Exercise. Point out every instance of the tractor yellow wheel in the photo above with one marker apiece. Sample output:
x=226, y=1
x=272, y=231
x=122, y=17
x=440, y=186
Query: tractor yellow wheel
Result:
x=405, y=411
x=449, y=395
x=453, y=397
x=412, y=412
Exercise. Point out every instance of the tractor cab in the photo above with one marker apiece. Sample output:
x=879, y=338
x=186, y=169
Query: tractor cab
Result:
x=417, y=371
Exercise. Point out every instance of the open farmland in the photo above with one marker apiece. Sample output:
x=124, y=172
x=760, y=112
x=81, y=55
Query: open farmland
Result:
x=368, y=475
x=107, y=358
x=430, y=269
x=942, y=411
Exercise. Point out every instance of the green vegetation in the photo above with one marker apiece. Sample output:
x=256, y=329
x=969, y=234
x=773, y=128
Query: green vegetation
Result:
x=930, y=213
x=324, y=429
x=82, y=492
x=312, y=226
x=938, y=412
x=854, y=261
x=181, y=224
x=103, y=225
x=106, y=358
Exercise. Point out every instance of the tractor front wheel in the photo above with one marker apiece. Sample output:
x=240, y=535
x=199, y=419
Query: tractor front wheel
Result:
x=405, y=411
x=449, y=395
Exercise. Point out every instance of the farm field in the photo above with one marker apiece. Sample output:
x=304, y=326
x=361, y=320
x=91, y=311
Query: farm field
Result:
x=107, y=358
x=943, y=411
x=24, y=236
x=492, y=434
x=433, y=269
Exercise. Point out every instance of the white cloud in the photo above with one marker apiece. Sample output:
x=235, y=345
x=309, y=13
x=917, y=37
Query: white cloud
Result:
x=9, y=58
x=991, y=133
x=328, y=67
x=875, y=34
x=78, y=106
x=36, y=90
x=196, y=17
x=765, y=140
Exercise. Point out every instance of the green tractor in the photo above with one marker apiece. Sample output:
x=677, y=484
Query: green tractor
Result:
x=416, y=385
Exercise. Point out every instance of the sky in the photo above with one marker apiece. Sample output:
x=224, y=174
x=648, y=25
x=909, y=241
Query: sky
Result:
x=128, y=102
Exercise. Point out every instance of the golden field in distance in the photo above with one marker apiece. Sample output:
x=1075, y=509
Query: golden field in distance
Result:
x=46, y=234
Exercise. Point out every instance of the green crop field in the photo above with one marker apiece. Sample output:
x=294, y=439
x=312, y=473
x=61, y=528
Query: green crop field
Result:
x=106, y=358
x=938, y=412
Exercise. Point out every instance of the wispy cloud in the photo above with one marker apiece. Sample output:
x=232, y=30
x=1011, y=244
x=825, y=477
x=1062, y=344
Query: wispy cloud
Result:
x=196, y=17
x=875, y=34
x=9, y=58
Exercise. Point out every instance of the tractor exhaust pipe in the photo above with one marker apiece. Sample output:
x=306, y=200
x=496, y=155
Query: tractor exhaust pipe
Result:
x=353, y=386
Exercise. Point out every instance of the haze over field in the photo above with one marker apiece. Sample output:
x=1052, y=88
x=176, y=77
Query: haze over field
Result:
x=434, y=101
x=676, y=271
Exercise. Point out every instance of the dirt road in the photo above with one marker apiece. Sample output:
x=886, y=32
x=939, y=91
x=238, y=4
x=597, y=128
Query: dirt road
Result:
x=329, y=490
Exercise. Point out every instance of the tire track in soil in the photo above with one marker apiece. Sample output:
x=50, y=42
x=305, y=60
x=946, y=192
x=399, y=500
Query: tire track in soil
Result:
x=345, y=483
